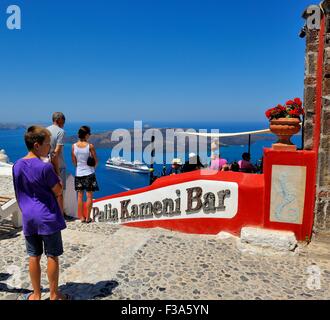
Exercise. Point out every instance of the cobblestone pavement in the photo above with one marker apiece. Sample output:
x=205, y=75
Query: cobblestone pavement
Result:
x=6, y=186
x=103, y=261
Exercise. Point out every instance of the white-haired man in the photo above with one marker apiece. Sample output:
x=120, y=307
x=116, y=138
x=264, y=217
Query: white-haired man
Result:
x=57, y=145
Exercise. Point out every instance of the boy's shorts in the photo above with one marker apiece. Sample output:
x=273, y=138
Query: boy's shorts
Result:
x=52, y=243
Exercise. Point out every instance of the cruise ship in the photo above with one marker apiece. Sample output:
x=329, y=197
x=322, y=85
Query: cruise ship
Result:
x=122, y=164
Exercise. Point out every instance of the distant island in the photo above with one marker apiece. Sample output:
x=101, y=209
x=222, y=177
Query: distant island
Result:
x=11, y=126
x=103, y=140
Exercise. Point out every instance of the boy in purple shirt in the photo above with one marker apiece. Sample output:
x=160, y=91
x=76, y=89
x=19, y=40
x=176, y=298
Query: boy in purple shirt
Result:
x=39, y=196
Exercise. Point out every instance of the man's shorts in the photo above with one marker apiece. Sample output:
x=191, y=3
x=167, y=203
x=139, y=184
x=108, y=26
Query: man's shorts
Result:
x=63, y=177
x=52, y=244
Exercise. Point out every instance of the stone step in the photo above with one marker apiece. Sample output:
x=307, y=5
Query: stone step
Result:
x=4, y=200
x=265, y=241
x=104, y=260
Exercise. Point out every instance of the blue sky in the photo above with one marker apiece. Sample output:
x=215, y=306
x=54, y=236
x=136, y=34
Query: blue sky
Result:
x=126, y=60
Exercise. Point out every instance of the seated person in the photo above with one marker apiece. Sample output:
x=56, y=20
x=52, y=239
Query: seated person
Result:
x=234, y=167
x=176, y=167
x=245, y=165
x=225, y=167
x=194, y=163
x=217, y=163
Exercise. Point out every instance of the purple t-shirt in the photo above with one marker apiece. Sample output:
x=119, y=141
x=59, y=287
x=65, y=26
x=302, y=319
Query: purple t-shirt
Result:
x=246, y=165
x=33, y=182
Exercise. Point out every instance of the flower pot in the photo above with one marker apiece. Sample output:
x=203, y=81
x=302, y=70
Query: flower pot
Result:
x=285, y=128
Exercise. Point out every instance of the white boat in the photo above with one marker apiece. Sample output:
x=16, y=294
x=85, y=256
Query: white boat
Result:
x=122, y=164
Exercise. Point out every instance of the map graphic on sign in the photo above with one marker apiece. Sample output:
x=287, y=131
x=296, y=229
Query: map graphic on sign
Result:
x=287, y=194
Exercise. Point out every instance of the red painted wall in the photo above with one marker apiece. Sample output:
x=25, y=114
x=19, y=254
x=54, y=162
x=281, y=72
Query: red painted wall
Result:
x=297, y=158
x=250, y=204
x=254, y=194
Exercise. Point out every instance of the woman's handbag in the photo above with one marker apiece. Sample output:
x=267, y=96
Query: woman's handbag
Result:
x=91, y=161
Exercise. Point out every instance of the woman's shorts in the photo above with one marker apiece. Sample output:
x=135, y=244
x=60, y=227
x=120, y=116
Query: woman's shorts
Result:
x=86, y=183
x=52, y=244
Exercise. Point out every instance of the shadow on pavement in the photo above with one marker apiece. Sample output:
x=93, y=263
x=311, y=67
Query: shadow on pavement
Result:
x=78, y=291
x=87, y=291
x=7, y=230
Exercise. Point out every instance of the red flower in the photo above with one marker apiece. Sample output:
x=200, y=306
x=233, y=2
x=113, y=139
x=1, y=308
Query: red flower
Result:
x=294, y=113
x=269, y=113
x=298, y=102
x=280, y=108
x=291, y=109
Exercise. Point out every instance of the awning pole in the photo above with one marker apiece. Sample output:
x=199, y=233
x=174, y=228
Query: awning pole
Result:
x=152, y=160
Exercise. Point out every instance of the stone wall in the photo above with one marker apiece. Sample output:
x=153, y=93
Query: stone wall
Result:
x=322, y=205
x=312, y=47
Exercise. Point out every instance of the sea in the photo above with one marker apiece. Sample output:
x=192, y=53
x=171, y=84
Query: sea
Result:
x=112, y=181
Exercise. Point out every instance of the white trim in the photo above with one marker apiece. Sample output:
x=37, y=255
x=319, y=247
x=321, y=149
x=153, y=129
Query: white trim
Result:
x=11, y=208
x=223, y=135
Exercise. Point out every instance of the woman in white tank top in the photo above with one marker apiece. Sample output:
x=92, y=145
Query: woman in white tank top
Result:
x=85, y=179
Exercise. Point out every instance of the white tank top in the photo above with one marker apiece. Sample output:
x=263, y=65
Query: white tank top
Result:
x=82, y=155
